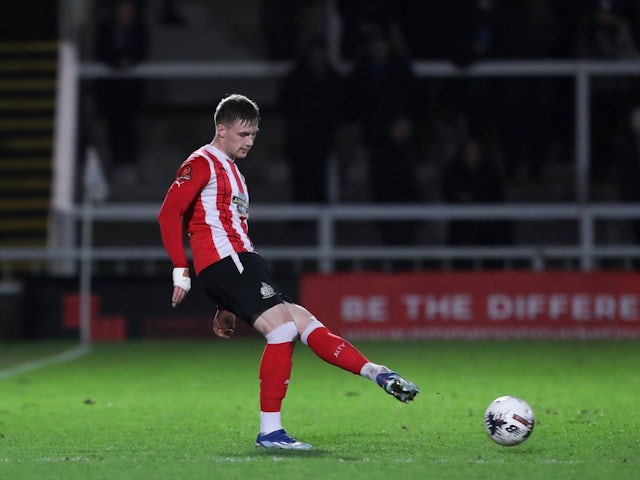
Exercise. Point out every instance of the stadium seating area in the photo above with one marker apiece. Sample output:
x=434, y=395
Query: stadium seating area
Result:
x=177, y=114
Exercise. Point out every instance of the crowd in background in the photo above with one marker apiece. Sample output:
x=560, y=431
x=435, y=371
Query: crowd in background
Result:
x=502, y=131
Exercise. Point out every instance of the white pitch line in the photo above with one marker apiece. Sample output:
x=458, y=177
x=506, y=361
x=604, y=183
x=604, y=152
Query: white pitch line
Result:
x=63, y=357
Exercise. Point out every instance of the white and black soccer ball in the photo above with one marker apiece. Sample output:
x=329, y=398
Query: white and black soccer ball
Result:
x=509, y=420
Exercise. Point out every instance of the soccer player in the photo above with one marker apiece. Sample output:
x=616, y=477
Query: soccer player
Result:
x=209, y=199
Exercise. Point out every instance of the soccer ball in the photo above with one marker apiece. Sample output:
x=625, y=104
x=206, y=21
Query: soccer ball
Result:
x=509, y=420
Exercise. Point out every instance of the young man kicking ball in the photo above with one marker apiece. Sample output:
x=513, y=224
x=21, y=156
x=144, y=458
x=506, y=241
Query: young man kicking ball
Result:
x=210, y=201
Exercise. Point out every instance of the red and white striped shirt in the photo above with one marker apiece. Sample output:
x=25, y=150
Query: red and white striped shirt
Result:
x=210, y=200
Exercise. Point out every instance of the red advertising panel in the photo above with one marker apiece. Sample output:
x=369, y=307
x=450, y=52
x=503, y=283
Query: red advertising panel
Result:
x=476, y=305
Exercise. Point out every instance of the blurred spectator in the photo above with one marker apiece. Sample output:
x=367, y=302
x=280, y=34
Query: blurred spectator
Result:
x=526, y=108
x=310, y=101
x=477, y=30
x=605, y=34
x=605, y=31
x=384, y=101
x=533, y=29
x=471, y=177
x=426, y=28
x=122, y=43
x=476, y=34
x=359, y=17
x=280, y=28
x=170, y=14
x=526, y=119
x=626, y=155
x=288, y=24
x=568, y=15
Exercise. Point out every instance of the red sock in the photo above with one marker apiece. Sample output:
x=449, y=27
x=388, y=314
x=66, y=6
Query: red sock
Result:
x=336, y=350
x=275, y=370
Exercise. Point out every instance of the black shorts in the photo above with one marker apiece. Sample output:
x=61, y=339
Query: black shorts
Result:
x=246, y=294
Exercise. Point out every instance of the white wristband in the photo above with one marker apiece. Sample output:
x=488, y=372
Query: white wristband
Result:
x=181, y=278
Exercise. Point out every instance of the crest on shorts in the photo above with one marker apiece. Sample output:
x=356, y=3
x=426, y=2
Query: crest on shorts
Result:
x=267, y=291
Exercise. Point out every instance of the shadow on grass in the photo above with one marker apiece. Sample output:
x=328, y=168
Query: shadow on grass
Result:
x=313, y=453
x=261, y=455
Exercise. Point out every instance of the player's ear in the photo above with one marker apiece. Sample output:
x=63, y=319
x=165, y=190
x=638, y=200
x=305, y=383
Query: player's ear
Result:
x=221, y=130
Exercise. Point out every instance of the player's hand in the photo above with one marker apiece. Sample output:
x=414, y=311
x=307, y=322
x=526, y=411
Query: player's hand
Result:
x=181, y=285
x=224, y=323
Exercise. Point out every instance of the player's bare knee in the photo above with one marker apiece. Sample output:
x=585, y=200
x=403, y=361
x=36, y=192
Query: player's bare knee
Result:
x=272, y=318
x=302, y=317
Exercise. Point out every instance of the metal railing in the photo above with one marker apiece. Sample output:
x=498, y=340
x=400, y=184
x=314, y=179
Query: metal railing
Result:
x=65, y=214
x=582, y=71
x=326, y=253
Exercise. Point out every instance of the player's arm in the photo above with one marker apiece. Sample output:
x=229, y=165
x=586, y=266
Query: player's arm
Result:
x=192, y=176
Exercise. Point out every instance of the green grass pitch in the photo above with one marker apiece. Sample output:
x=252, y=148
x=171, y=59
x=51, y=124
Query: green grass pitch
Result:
x=189, y=410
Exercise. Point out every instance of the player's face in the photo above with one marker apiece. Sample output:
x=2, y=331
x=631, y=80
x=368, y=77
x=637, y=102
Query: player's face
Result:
x=237, y=139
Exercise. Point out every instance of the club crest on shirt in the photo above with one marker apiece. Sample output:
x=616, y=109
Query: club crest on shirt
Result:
x=184, y=173
x=242, y=204
x=267, y=291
